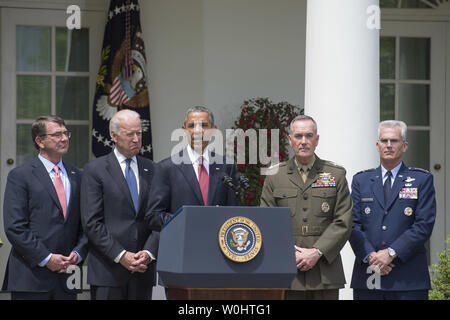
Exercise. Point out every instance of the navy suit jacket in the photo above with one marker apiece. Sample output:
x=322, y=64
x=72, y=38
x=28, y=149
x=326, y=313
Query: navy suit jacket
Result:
x=35, y=226
x=175, y=184
x=110, y=220
x=404, y=224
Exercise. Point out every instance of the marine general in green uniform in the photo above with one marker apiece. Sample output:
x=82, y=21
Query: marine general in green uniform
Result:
x=317, y=193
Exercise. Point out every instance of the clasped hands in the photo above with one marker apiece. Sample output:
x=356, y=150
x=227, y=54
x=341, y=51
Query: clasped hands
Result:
x=306, y=258
x=135, y=262
x=382, y=261
x=59, y=263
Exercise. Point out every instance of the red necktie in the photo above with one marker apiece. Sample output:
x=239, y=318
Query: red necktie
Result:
x=57, y=182
x=203, y=180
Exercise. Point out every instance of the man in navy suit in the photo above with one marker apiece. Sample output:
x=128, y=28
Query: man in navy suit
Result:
x=394, y=209
x=114, y=199
x=193, y=176
x=41, y=213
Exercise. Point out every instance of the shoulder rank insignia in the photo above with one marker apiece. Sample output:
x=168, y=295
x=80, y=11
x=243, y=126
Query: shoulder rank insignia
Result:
x=325, y=180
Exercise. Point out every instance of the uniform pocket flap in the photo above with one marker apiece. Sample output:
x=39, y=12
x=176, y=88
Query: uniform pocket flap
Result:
x=323, y=192
x=285, y=193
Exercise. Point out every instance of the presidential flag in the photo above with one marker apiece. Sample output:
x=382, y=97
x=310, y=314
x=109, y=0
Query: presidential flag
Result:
x=122, y=77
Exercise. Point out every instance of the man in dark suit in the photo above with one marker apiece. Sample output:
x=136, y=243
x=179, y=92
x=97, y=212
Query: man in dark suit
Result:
x=193, y=176
x=114, y=199
x=393, y=216
x=42, y=218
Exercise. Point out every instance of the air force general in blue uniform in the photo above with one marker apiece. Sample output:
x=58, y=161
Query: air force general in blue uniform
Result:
x=389, y=232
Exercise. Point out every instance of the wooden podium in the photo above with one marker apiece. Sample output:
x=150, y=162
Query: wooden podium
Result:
x=194, y=264
x=176, y=293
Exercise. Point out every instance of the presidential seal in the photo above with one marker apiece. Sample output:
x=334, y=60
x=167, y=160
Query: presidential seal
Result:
x=240, y=239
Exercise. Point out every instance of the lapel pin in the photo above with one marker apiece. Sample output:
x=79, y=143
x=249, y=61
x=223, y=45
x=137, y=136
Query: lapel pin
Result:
x=145, y=169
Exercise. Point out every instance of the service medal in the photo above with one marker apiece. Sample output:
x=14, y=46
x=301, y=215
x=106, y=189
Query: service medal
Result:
x=367, y=210
x=325, y=207
x=408, y=211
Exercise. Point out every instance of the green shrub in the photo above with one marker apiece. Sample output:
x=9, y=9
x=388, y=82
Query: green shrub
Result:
x=440, y=276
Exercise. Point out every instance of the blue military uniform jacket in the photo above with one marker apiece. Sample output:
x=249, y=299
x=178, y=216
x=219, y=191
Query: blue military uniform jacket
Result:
x=405, y=223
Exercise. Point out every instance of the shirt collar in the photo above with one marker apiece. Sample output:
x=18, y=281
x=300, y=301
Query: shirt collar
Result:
x=193, y=155
x=308, y=166
x=121, y=158
x=394, y=171
x=50, y=165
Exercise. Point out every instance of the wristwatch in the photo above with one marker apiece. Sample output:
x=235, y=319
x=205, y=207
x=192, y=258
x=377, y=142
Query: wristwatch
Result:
x=319, y=252
x=392, y=253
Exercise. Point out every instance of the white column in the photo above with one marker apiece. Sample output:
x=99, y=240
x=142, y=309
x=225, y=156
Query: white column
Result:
x=342, y=88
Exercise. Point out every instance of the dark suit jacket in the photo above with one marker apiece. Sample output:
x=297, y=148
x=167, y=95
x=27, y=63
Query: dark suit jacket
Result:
x=175, y=184
x=35, y=226
x=111, y=222
x=404, y=224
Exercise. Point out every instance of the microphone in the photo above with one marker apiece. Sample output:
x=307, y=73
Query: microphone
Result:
x=243, y=182
x=227, y=181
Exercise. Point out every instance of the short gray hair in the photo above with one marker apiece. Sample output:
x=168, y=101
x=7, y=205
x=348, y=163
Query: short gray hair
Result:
x=200, y=109
x=303, y=117
x=392, y=124
x=124, y=114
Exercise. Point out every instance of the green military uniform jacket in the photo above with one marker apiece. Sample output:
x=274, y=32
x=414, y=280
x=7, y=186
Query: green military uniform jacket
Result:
x=321, y=211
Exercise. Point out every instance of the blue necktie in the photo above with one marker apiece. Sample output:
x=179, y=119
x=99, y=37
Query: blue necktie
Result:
x=387, y=187
x=132, y=184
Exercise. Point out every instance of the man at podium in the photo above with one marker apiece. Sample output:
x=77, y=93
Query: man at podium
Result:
x=317, y=193
x=193, y=176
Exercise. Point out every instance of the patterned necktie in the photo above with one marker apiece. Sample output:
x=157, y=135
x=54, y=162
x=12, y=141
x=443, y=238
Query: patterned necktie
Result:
x=132, y=184
x=203, y=180
x=57, y=182
x=387, y=187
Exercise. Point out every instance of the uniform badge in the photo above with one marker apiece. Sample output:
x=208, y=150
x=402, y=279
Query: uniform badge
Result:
x=409, y=179
x=324, y=180
x=325, y=207
x=408, y=211
x=367, y=210
x=408, y=193
x=240, y=239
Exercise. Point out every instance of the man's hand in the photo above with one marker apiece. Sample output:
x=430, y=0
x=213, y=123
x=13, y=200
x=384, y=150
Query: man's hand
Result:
x=135, y=262
x=306, y=258
x=57, y=263
x=382, y=260
x=142, y=259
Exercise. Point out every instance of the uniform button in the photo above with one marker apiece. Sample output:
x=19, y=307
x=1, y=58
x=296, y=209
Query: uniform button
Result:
x=384, y=228
x=305, y=220
x=305, y=208
x=385, y=213
x=305, y=196
x=383, y=243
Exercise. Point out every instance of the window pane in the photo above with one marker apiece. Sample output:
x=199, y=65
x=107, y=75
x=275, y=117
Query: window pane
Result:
x=33, y=48
x=415, y=58
x=33, y=96
x=414, y=4
x=413, y=104
x=387, y=57
x=418, y=153
x=72, y=49
x=25, y=149
x=388, y=3
x=72, y=98
x=387, y=101
x=78, y=154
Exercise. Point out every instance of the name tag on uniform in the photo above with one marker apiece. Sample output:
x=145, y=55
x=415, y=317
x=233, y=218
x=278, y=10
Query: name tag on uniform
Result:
x=325, y=180
x=408, y=193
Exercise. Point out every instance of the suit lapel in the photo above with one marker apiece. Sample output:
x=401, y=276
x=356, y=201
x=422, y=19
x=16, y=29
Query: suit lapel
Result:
x=377, y=187
x=294, y=175
x=188, y=172
x=143, y=182
x=73, y=186
x=214, y=179
x=398, y=184
x=43, y=177
x=113, y=167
